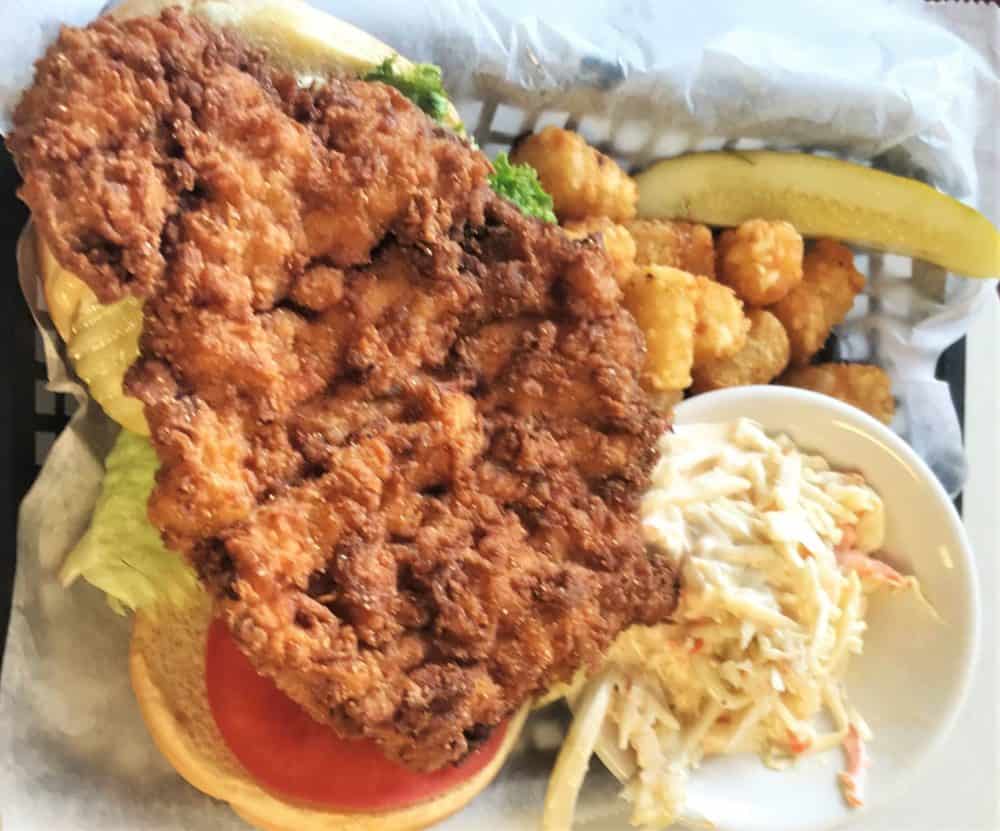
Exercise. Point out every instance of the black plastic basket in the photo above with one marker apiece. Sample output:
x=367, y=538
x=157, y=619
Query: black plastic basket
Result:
x=17, y=411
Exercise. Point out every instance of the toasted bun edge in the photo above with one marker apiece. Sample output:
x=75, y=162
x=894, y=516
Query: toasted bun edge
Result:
x=167, y=663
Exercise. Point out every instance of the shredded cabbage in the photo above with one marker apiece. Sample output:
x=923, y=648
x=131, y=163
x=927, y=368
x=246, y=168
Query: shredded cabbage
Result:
x=122, y=553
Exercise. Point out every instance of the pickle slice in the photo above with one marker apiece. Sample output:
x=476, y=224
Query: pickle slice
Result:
x=104, y=343
x=823, y=197
x=64, y=292
x=102, y=340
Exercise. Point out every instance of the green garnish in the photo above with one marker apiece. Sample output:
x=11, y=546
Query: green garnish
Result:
x=421, y=83
x=519, y=183
x=122, y=553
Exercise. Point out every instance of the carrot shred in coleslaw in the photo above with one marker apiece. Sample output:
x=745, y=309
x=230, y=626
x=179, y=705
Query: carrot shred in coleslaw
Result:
x=869, y=567
x=852, y=778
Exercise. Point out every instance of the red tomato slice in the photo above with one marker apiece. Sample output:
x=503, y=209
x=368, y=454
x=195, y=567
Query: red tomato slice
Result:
x=290, y=754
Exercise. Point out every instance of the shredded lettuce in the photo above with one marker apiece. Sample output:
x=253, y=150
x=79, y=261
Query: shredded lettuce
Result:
x=122, y=553
x=519, y=183
x=421, y=83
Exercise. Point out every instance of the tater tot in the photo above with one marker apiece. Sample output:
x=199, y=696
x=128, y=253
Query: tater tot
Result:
x=661, y=300
x=762, y=359
x=665, y=401
x=863, y=386
x=721, y=327
x=822, y=300
x=682, y=245
x=761, y=260
x=803, y=315
x=829, y=266
x=582, y=182
x=617, y=241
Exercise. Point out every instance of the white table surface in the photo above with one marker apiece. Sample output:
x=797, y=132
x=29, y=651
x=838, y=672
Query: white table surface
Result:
x=959, y=788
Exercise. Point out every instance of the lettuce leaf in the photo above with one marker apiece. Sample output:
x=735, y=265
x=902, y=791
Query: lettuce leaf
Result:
x=421, y=83
x=122, y=553
x=519, y=183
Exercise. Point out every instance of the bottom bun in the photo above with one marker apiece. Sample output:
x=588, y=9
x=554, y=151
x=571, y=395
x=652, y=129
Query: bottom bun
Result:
x=167, y=666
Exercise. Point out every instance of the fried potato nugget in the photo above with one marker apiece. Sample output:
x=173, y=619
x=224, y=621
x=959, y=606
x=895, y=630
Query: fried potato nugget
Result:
x=665, y=401
x=582, y=181
x=763, y=357
x=863, y=386
x=684, y=245
x=822, y=300
x=803, y=314
x=662, y=301
x=720, y=325
x=616, y=239
x=761, y=260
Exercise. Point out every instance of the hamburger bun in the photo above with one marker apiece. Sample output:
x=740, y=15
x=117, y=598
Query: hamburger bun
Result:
x=167, y=654
x=167, y=668
x=297, y=37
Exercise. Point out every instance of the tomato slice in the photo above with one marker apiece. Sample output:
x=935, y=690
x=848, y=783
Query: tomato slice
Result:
x=297, y=758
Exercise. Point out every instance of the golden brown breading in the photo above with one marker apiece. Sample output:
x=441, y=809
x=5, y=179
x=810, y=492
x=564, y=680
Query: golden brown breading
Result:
x=583, y=182
x=863, y=386
x=762, y=359
x=267, y=201
x=803, y=316
x=682, y=245
x=399, y=423
x=761, y=260
x=662, y=301
x=821, y=301
x=616, y=239
x=721, y=327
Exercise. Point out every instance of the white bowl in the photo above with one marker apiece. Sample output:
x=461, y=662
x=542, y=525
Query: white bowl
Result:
x=913, y=676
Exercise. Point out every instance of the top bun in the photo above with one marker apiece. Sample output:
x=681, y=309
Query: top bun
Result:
x=298, y=37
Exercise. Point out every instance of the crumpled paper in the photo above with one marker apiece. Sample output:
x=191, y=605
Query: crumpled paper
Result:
x=870, y=81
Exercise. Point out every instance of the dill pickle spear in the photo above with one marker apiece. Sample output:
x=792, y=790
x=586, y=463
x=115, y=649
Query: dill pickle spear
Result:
x=823, y=197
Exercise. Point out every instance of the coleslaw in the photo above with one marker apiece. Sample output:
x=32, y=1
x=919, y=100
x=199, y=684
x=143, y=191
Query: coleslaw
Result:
x=777, y=552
